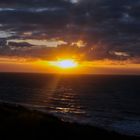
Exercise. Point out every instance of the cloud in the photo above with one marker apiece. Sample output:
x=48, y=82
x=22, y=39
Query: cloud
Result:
x=36, y=42
x=96, y=29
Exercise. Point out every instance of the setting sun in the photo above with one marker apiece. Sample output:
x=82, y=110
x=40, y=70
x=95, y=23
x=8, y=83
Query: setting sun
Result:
x=65, y=63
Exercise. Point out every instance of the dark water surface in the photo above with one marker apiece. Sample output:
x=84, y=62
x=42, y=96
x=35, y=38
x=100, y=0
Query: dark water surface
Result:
x=111, y=102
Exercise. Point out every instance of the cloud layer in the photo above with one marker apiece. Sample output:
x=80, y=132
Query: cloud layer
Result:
x=109, y=29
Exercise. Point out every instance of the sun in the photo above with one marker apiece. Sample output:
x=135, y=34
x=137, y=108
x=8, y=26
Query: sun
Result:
x=66, y=63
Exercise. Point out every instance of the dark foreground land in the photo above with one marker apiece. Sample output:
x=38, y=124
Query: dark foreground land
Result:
x=20, y=123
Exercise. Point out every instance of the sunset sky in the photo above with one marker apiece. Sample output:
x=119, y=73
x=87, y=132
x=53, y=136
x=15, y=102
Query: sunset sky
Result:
x=101, y=36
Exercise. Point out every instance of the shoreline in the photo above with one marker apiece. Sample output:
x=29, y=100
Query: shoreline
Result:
x=17, y=120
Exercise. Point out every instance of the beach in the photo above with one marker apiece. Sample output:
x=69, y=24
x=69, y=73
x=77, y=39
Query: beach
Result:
x=19, y=122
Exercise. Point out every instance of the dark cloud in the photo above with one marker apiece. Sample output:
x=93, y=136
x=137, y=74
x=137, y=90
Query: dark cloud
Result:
x=34, y=2
x=110, y=28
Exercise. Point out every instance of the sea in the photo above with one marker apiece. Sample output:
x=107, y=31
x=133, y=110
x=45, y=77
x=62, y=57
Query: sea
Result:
x=111, y=102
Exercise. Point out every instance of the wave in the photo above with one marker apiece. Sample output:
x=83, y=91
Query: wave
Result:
x=129, y=127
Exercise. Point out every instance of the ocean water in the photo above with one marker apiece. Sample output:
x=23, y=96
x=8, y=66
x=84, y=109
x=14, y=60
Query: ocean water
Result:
x=110, y=102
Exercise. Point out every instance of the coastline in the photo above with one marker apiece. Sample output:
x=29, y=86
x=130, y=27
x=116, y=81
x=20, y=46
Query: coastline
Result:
x=18, y=122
